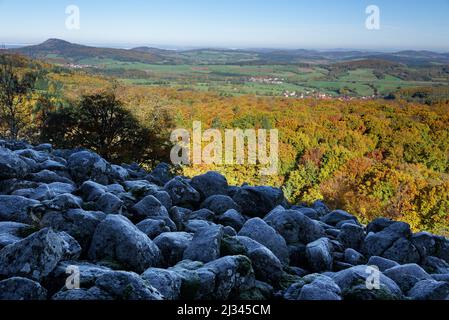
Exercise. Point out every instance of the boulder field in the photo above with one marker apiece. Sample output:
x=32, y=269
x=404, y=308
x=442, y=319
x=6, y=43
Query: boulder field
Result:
x=75, y=227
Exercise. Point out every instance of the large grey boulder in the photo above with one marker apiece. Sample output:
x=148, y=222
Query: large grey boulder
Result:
x=167, y=282
x=353, y=257
x=209, y=184
x=294, y=226
x=88, y=275
x=70, y=247
x=117, y=239
x=33, y=257
x=127, y=286
x=233, y=275
x=260, y=231
x=258, y=201
x=425, y=243
x=12, y=165
x=78, y=223
x=442, y=248
x=314, y=287
x=47, y=176
x=376, y=244
x=267, y=267
x=150, y=207
x=382, y=263
x=160, y=175
x=181, y=192
x=352, y=236
x=12, y=232
x=402, y=251
x=319, y=255
x=18, y=288
x=109, y=204
x=435, y=265
x=378, y=225
x=17, y=209
x=406, y=276
x=205, y=245
x=34, y=155
x=231, y=218
x=63, y=202
x=219, y=204
x=429, y=290
x=197, y=283
x=92, y=191
x=85, y=165
x=45, y=191
x=140, y=188
x=91, y=294
x=153, y=228
x=337, y=216
x=353, y=281
x=172, y=246
x=202, y=214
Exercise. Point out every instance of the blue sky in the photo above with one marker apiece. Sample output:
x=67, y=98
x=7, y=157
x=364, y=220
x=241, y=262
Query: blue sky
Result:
x=320, y=24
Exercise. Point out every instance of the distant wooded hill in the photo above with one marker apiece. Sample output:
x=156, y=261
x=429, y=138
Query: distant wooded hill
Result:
x=61, y=50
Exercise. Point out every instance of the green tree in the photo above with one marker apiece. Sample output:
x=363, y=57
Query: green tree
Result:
x=14, y=92
x=101, y=123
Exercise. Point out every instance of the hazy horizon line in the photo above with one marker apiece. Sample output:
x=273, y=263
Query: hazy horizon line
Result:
x=178, y=47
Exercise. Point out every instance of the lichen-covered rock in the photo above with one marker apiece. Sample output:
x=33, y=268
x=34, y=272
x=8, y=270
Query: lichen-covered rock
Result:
x=21, y=289
x=78, y=223
x=92, y=191
x=353, y=257
x=352, y=236
x=127, y=286
x=382, y=263
x=260, y=231
x=167, y=282
x=267, y=267
x=172, y=246
x=219, y=204
x=12, y=165
x=435, y=265
x=150, y=207
x=294, y=226
x=406, y=276
x=117, y=239
x=337, y=216
x=319, y=255
x=12, y=232
x=85, y=165
x=109, y=204
x=62, y=202
x=258, y=201
x=153, y=228
x=33, y=257
x=314, y=287
x=209, y=184
x=181, y=192
x=353, y=284
x=232, y=276
x=376, y=244
x=205, y=245
x=429, y=289
x=17, y=209
x=231, y=218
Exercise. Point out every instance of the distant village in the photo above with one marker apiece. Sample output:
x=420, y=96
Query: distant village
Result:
x=307, y=94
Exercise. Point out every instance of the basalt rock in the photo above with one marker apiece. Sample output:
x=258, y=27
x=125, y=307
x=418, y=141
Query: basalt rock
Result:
x=136, y=235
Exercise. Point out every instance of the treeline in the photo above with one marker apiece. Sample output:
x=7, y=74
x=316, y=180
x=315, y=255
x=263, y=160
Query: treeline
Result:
x=98, y=121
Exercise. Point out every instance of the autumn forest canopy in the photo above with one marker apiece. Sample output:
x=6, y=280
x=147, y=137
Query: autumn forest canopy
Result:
x=386, y=155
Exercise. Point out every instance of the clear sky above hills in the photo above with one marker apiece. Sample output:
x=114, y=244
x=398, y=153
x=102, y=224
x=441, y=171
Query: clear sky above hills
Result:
x=320, y=24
